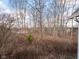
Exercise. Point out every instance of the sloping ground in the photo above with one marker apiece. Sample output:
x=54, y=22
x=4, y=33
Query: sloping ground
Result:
x=47, y=48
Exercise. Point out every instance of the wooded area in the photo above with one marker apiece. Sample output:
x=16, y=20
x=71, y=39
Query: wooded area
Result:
x=38, y=29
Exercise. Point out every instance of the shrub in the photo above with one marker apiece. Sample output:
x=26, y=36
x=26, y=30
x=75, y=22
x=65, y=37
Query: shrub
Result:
x=30, y=38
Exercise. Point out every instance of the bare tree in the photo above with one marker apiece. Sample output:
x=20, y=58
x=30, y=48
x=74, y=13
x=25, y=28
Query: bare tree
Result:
x=5, y=32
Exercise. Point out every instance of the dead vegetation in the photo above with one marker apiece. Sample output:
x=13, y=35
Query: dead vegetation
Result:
x=47, y=48
x=38, y=31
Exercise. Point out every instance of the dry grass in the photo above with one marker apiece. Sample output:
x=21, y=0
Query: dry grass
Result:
x=50, y=47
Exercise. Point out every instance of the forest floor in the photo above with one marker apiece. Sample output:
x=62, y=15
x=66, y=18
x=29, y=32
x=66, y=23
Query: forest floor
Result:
x=47, y=48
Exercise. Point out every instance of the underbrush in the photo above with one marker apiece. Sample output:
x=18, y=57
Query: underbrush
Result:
x=47, y=49
x=29, y=38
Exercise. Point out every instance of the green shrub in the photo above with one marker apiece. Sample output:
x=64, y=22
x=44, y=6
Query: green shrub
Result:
x=30, y=38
